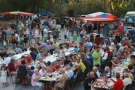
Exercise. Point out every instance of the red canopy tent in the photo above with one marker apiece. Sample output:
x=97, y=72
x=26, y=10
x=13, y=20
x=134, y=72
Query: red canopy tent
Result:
x=101, y=20
x=18, y=13
x=106, y=15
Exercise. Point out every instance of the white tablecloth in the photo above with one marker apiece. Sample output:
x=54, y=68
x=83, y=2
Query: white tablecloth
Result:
x=53, y=58
x=18, y=56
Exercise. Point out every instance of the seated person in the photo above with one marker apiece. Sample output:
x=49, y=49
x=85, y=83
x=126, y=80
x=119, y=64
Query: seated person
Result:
x=89, y=81
x=81, y=66
x=127, y=80
x=39, y=63
x=49, y=67
x=96, y=71
x=72, y=44
x=76, y=49
x=56, y=66
x=18, y=50
x=114, y=62
x=35, y=77
x=124, y=55
x=61, y=81
x=67, y=61
x=118, y=85
x=127, y=50
x=131, y=70
x=70, y=72
x=42, y=71
x=11, y=69
x=126, y=43
x=107, y=70
x=19, y=61
x=31, y=71
x=129, y=74
x=23, y=69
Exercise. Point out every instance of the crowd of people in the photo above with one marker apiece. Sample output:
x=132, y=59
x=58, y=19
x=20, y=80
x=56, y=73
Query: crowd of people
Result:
x=89, y=59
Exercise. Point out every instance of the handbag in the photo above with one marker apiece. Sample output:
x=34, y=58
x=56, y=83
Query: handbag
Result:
x=4, y=43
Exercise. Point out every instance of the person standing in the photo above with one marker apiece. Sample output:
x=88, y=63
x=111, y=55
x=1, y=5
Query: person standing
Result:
x=106, y=30
x=8, y=36
x=96, y=55
x=83, y=34
x=3, y=76
x=46, y=33
x=75, y=36
x=3, y=37
x=36, y=33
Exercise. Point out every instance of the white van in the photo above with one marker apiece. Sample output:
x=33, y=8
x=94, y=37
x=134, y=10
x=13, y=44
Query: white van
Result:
x=130, y=13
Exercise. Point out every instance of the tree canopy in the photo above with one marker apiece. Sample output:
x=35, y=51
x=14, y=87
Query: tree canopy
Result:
x=69, y=7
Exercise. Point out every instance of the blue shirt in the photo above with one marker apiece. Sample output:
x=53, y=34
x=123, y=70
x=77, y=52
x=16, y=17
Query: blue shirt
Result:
x=39, y=55
x=32, y=54
x=46, y=46
x=76, y=50
x=70, y=73
x=88, y=45
x=106, y=30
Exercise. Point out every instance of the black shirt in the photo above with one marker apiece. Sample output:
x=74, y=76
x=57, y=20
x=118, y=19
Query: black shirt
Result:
x=86, y=63
x=66, y=62
x=90, y=81
x=2, y=55
x=118, y=39
x=3, y=35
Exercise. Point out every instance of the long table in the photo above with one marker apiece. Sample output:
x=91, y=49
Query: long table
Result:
x=53, y=58
x=18, y=56
x=101, y=84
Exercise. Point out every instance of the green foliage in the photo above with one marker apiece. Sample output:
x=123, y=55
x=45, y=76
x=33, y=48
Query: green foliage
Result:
x=70, y=7
x=71, y=13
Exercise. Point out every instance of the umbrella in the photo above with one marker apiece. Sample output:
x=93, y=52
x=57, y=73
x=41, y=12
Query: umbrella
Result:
x=45, y=13
x=94, y=14
x=106, y=15
x=18, y=13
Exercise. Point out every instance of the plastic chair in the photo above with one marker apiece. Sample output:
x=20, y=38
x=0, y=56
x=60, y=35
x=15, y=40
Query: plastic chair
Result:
x=20, y=76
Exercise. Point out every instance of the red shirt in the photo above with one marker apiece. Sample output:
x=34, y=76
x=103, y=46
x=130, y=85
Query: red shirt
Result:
x=109, y=53
x=73, y=22
x=118, y=85
x=11, y=67
x=126, y=44
x=55, y=67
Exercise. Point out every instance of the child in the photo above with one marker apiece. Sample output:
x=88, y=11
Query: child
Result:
x=25, y=40
x=3, y=76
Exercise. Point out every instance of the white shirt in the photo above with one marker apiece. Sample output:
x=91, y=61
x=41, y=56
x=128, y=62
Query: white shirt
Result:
x=126, y=82
x=104, y=55
x=26, y=32
x=45, y=32
x=7, y=61
x=17, y=36
x=98, y=73
x=22, y=25
x=41, y=72
x=91, y=44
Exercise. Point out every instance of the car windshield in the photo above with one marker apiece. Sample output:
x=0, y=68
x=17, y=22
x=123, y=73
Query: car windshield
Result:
x=130, y=20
